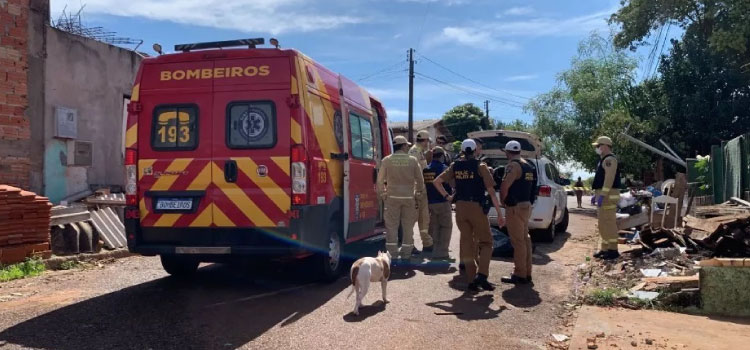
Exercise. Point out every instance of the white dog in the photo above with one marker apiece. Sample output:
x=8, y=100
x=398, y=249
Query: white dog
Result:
x=366, y=270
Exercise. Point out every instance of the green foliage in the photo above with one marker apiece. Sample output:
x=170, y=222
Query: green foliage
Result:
x=722, y=24
x=516, y=125
x=591, y=99
x=603, y=297
x=703, y=165
x=28, y=268
x=456, y=146
x=69, y=265
x=463, y=119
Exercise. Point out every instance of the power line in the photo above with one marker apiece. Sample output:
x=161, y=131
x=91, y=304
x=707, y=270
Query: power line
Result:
x=472, y=80
x=471, y=92
x=388, y=68
x=385, y=75
x=663, y=44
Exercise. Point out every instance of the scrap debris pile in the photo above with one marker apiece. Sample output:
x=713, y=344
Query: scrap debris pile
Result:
x=663, y=268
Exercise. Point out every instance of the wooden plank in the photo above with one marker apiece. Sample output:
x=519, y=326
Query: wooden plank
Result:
x=104, y=230
x=684, y=281
x=740, y=201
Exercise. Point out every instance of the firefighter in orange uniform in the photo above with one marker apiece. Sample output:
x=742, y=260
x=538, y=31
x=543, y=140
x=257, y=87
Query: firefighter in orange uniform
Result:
x=420, y=151
x=399, y=182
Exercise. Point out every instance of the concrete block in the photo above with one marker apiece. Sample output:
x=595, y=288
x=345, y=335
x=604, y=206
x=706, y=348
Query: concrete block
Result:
x=86, y=238
x=725, y=290
x=72, y=238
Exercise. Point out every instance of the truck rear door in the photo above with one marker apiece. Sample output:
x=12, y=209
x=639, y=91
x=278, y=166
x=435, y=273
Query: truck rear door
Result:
x=251, y=144
x=174, y=135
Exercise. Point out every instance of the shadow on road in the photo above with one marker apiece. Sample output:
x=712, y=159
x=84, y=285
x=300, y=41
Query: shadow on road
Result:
x=365, y=311
x=522, y=295
x=222, y=307
x=542, y=250
x=468, y=307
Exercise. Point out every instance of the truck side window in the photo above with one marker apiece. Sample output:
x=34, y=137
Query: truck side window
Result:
x=251, y=124
x=361, y=134
x=174, y=128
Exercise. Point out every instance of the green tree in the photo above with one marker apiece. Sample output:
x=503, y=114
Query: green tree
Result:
x=591, y=99
x=723, y=24
x=516, y=125
x=463, y=119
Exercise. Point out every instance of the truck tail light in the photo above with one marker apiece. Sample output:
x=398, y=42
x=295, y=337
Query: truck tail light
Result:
x=299, y=175
x=131, y=176
x=545, y=191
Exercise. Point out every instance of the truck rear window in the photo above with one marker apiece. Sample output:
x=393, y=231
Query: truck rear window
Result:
x=251, y=124
x=174, y=128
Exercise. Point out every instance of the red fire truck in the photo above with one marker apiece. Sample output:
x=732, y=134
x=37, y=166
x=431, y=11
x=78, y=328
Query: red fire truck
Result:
x=250, y=151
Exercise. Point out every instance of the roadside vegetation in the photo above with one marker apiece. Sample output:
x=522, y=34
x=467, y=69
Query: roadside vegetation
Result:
x=29, y=268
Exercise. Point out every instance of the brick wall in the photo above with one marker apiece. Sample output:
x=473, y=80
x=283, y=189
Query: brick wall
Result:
x=15, y=130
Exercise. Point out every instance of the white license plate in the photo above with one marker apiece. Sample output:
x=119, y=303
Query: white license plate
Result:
x=174, y=204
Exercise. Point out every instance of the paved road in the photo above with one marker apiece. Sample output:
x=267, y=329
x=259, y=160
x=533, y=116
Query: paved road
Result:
x=132, y=304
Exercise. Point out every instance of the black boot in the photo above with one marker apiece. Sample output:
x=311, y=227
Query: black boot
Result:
x=514, y=280
x=427, y=250
x=415, y=251
x=599, y=254
x=611, y=255
x=473, y=287
x=481, y=281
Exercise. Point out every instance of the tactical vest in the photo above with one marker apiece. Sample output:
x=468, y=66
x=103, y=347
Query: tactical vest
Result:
x=433, y=196
x=469, y=184
x=599, y=176
x=521, y=189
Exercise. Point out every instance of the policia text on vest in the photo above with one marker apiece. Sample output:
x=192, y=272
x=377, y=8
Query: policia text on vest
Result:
x=472, y=179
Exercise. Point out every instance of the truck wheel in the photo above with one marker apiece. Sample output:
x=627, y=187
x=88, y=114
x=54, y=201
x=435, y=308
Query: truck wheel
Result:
x=563, y=225
x=179, y=266
x=330, y=261
x=548, y=234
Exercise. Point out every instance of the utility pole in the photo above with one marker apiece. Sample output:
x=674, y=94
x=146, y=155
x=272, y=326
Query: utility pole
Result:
x=487, y=109
x=411, y=96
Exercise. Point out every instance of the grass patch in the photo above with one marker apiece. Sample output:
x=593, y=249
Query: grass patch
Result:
x=603, y=297
x=29, y=268
x=69, y=265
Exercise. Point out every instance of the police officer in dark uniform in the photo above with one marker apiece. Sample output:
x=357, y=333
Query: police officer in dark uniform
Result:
x=607, y=186
x=516, y=192
x=472, y=178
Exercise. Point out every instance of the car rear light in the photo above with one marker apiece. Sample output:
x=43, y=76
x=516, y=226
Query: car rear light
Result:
x=545, y=191
x=131, y=176
x=299, y=175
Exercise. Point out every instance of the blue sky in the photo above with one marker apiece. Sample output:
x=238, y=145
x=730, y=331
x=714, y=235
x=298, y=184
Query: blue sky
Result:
x=505, y=51
x=511, y=50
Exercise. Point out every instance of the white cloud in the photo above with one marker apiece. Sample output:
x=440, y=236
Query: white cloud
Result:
x=445, y=2
x=519, y=11
x=488, y=35
x=473, y=37
x=251, y=16
x=522, y=77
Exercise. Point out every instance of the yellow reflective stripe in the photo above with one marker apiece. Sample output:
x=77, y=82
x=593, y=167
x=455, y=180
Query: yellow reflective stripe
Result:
x=274, y=192
x=396, y=197
x=241, y=200
x=143, y=164
x=201, y=181
x=294, y=85
x=135, y=94
x=131, y=136
x=204, y=218
x=296, y=132
x=221, y=219
x=607, y=207
x=283, y=163
x=142, y=208
x=165, y=181
x=605, y=189
x=167, y=220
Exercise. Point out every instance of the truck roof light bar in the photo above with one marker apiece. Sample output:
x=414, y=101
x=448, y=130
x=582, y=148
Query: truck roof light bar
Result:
x=250, y=43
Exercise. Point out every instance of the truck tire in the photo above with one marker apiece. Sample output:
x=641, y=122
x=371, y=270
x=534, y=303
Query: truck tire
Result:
x=179, y=266
x=563, y=225
x=329, y=263
x=547, y=235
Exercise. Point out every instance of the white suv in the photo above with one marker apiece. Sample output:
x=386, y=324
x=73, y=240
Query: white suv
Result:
x=550, y=211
